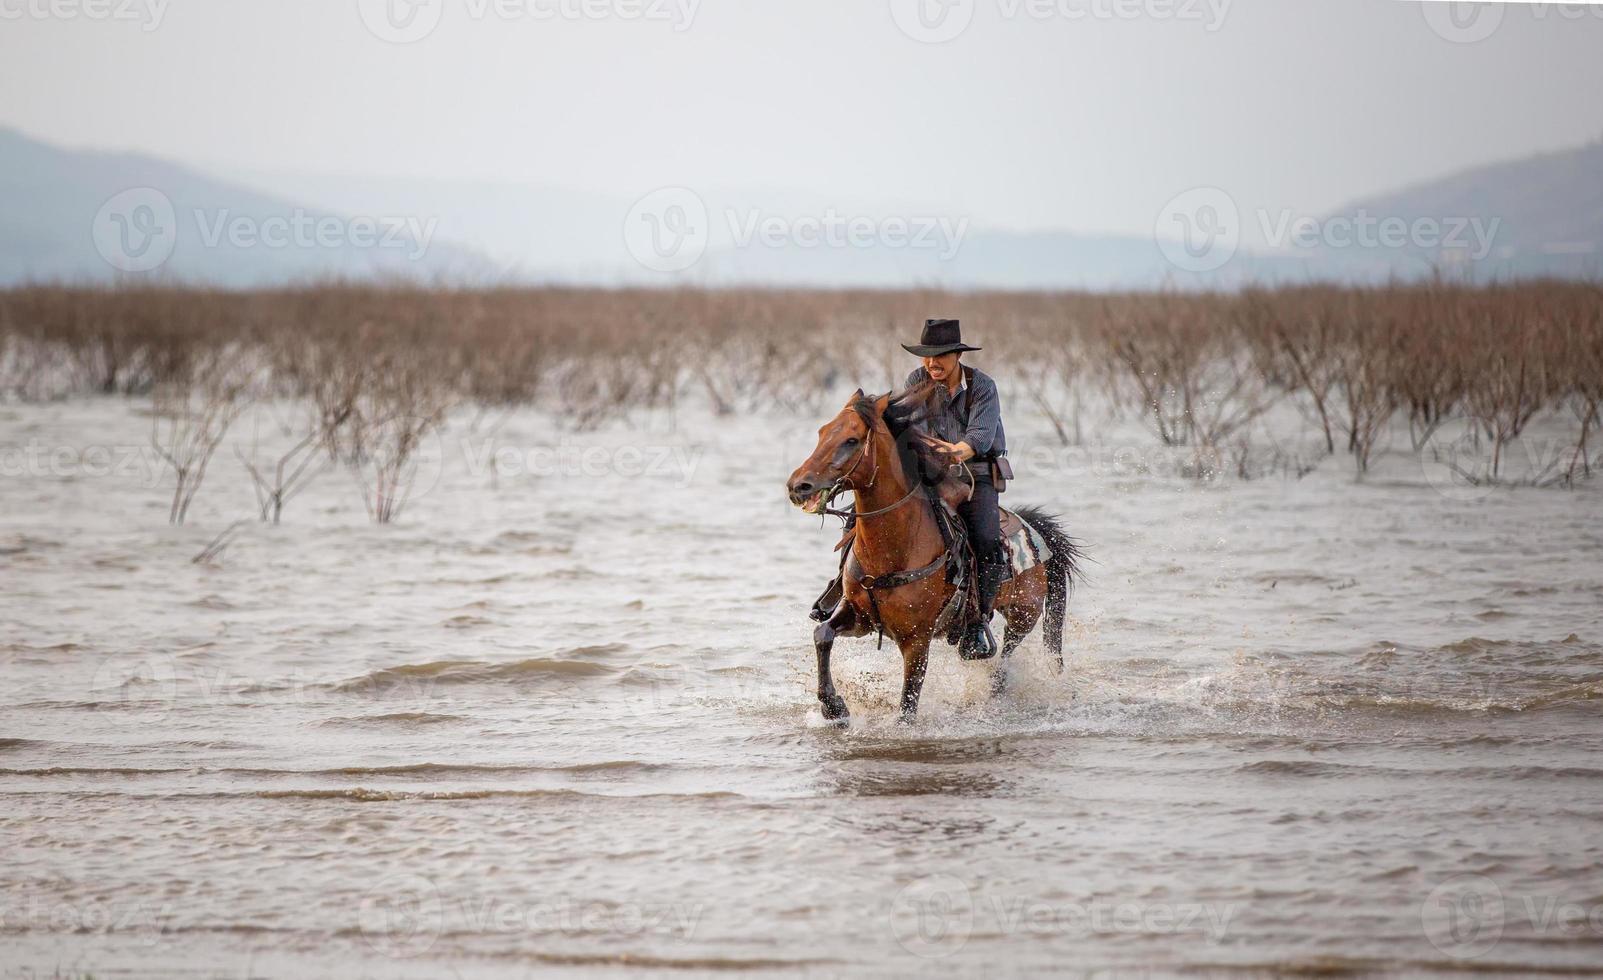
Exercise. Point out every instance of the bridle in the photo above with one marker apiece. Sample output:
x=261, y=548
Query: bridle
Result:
x=843, y=483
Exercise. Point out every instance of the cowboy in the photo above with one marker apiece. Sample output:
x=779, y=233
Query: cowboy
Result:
x=975, y=410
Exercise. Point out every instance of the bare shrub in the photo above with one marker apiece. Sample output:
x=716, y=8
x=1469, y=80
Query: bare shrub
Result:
x=1197, y=383
x=403, y=401
x=1510, y=376
x=1428, y=362
x=1295, y=345
x=1199, y=370
x=1365, y=399
x=1051, y=363
x=1583, y=356
x=191, y=414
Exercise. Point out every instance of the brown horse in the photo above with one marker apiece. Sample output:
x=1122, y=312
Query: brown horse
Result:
x=877, y=448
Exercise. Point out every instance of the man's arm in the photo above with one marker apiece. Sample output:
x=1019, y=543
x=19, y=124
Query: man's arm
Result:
x=984, y=416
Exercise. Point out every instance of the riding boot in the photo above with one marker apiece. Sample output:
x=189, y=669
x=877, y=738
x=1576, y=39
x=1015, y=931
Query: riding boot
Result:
x=978, y=641
x=824, y=605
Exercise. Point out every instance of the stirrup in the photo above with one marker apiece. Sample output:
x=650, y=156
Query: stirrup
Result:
x=982, y=647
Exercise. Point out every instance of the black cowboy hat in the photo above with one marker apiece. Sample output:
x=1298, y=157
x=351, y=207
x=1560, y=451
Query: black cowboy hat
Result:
x=939, y=337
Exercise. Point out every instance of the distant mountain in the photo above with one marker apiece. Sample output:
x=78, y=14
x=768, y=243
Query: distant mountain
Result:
x=1538, y=216
x=78, y=216
x=83, y=215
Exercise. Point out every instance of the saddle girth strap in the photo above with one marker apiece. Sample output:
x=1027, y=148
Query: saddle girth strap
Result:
x=891, y=580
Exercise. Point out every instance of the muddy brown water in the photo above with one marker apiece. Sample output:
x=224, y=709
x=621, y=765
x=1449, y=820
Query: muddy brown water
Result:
x=560, y=718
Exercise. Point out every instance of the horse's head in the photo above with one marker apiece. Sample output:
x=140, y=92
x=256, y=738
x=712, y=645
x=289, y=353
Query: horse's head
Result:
x=843, y=457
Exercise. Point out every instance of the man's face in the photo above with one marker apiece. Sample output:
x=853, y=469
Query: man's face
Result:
x=942, y=368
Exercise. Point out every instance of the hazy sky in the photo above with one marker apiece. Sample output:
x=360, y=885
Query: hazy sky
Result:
x=1077, y=114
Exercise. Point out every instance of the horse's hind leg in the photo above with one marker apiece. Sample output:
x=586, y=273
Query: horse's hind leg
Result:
x=1020, y=620
x=915, y=661
x=844, y=618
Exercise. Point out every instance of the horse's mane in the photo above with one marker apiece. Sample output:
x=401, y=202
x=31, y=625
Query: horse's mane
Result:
x=910, y=415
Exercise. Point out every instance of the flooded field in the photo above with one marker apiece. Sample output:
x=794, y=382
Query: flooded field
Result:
x=559, y=716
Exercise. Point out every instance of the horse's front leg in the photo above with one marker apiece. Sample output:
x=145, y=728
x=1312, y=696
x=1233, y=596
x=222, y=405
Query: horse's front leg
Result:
x=915, y=660
x=844, y=619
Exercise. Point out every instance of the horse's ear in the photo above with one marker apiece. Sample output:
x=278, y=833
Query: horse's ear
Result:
x=881, y=403
x=855, y=395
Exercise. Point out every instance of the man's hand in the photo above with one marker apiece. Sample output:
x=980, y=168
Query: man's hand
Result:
x=962, y=450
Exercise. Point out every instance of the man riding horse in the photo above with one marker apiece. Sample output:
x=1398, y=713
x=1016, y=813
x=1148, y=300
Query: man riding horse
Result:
x=912, y=461
x=973, y=408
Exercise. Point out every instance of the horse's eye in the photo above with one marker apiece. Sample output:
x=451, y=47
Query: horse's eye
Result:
x=854, y=441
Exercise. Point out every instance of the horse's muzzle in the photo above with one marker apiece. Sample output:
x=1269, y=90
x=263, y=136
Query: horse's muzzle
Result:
x=808, y=495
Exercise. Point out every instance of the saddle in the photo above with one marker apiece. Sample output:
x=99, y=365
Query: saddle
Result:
x=1021, y=546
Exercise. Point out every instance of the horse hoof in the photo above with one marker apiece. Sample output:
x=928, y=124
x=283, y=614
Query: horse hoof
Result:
x=834, y=708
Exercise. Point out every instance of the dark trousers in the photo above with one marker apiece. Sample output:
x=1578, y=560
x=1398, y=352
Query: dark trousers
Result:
x=984, y=523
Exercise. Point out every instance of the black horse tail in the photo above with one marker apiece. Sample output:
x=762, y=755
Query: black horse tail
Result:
x=1062, y=572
